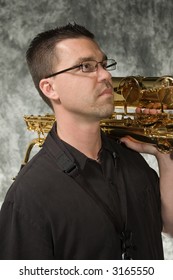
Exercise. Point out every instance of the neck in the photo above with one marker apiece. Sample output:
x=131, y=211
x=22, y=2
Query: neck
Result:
x=85, y=137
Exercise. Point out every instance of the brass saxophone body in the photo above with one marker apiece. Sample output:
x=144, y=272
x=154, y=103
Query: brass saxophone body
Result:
x=143, y=92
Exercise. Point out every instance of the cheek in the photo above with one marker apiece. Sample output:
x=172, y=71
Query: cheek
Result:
x=73, y=91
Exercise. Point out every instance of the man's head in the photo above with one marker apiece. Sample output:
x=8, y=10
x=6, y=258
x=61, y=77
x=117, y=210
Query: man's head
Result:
x=42, y=56
x=71, y=73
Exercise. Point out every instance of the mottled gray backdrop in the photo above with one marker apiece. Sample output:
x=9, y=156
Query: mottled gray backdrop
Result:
x=137, y=33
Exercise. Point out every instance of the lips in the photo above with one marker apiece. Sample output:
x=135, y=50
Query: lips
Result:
x=107, y=91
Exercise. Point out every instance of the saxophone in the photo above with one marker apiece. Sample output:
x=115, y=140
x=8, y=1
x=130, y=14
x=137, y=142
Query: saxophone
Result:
x=151, y=92
x=130, y=92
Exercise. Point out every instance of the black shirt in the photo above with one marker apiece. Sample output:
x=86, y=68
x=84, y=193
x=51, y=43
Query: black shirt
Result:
x=47, y=214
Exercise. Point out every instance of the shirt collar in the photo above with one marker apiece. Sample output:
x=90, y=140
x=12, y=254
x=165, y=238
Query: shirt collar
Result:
x=79, y=157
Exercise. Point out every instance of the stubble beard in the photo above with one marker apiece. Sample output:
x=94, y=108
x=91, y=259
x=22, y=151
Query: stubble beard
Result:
x=103, y=111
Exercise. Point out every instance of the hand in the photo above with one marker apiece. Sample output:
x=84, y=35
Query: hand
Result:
x=138, y=146
x=142, y=147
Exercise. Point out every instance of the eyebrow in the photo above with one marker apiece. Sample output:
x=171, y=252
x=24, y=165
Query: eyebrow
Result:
x=88, y=58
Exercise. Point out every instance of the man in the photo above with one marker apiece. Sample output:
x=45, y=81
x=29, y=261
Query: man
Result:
x=83, y=196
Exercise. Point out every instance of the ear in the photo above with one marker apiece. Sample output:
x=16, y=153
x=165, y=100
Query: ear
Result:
x=47, y=87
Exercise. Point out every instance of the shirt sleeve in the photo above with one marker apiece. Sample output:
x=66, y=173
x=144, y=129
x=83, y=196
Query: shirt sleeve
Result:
x=20, y=238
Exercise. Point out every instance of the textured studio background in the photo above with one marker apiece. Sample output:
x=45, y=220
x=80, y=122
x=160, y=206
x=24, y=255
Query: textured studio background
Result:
x=137, y=33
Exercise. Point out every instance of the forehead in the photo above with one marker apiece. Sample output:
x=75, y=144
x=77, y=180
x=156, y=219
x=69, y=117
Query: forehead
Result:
x=78, y=49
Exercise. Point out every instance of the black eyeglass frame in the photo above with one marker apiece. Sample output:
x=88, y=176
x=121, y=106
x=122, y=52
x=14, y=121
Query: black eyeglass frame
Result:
x=81, y=67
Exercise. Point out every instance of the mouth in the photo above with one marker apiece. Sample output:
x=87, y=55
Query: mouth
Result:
x=107, y=92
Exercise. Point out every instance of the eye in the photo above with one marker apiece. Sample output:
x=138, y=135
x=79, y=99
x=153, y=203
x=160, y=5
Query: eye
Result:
x=88, y=66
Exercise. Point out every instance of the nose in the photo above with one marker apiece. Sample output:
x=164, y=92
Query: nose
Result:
x=103, y=74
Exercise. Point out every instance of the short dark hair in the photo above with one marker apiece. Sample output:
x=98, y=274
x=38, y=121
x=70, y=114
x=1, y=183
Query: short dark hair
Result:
x=40, y=55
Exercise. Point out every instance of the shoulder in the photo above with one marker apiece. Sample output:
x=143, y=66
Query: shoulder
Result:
x=129, y=158
x=121, y=149
x=37, y=180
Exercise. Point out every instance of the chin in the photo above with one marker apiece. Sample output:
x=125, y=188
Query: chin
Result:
x=106, y=114
x=107, y=111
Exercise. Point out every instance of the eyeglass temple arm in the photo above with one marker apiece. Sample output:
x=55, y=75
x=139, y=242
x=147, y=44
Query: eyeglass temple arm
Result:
x=65, y=70
x=114, y=63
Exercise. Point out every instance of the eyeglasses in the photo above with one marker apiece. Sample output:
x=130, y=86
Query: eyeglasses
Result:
x=89, y=66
